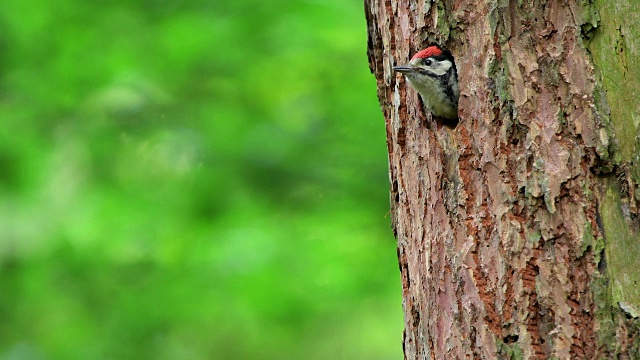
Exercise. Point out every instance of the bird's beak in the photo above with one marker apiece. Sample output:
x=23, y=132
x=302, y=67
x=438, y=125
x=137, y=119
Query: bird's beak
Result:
x=404, y=69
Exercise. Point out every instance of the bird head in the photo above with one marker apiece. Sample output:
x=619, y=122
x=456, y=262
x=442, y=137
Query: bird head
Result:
x=432, y=62
x=432, y=72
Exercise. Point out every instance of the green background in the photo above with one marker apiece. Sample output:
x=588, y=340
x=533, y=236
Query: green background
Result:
x=193, y=180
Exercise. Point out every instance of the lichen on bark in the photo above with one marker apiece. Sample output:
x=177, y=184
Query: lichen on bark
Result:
x=615, y=49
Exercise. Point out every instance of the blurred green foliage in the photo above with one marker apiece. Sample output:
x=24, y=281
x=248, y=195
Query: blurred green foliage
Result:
x=193, y=180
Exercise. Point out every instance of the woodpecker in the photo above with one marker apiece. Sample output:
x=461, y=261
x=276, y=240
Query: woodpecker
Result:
x=432, y=72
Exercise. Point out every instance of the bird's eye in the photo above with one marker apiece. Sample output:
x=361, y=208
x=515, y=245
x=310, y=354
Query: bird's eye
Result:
x=428, y=62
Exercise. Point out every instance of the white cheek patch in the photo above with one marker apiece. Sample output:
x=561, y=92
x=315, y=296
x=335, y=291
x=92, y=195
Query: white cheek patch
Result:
x=441, y=68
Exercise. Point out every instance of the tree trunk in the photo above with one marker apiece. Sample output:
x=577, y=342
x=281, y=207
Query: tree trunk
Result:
x=517, y=229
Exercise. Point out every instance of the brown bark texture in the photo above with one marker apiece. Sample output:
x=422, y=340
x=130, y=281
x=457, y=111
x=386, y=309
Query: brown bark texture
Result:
x=499, y=235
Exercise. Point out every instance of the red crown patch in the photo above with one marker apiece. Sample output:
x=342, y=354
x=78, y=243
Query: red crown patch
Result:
x=425, y=53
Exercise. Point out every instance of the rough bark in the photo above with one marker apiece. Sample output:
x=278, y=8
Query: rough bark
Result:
x=505, y=223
